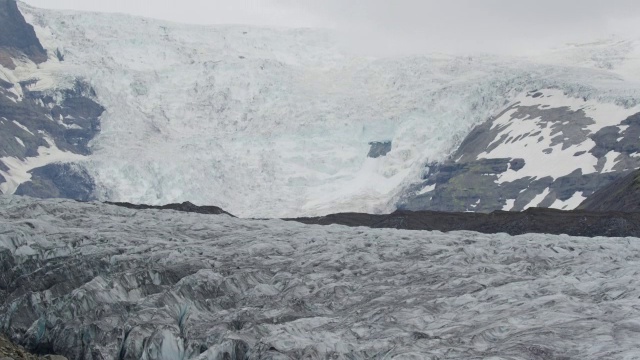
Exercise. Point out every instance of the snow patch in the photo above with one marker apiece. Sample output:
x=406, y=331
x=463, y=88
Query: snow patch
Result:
x=538, y=162
x=570, y=203
x=23, y=127
x=604, y=114
x=509, y=205
x=18, y=172
x=611, y=162
x=538, y=199
x=427, y=189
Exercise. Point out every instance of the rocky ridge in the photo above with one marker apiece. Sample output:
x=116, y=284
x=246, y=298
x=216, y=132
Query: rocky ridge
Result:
x=546, y=150
x=46, y=120
x=621, y=195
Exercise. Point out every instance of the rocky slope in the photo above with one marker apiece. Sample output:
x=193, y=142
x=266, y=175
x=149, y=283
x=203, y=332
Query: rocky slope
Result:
x=545, y=150
x=17, y=38
x=47, y=117
x=621, y=195
x=96, y=281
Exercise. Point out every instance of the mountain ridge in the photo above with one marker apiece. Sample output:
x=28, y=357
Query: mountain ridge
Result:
x=620, y=195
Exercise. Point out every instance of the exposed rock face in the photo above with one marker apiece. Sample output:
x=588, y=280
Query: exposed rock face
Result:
x=621, y=195
x=61, y=180
x=538, y=152
x=17, y=37
x=44, y=118
x=379, y=149
x=94, y=281
x=43, y=127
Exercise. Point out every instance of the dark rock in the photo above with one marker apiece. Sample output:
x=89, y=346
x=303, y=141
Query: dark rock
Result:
x=379, y=149
x=5, y=84
x=58, y=180
x=622, y=194
x=469, y=182
x=18, y=36
x=517, y=164
x=33, y=113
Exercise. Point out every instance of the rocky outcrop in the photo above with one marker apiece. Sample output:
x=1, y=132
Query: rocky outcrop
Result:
x=40, y=125
x=17, y=37
x=60, y=180
x=69, y=118
x=44, y=126
x=379, y=149
x=536, y=153
x=621, y=195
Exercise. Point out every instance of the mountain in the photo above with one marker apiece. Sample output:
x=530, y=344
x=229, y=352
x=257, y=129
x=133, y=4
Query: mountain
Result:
x=545, y=150
x=620, y=195
x=96, y=281
x=271, y=122
x=45, y=117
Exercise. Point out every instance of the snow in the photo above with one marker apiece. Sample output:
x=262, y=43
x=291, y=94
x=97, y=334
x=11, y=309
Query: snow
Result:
x=509, y=205
x=559, y=162
x=570, y=203
x=538, y=164
x=604, y=114
x=18, y=172
x=611, y=162
x=475, y=205
x=310, y=291
x=277, y=122
x=427, y=189
x=19, y=141
x=538, y=199
x=22, y=127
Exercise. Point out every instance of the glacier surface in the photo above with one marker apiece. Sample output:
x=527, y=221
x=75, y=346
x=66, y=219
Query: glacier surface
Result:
x=277, y=122
x=96, y=281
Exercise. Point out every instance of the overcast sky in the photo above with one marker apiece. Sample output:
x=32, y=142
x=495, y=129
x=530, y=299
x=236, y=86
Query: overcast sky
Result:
x=404, y=26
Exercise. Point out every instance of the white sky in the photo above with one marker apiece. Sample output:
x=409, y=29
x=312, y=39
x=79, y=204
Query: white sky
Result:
x=404, y=26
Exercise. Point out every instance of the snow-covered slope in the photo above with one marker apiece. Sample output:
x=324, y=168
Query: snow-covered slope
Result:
x=46, y=116
x=546, y=149
x=93, y=281
x=278, y=122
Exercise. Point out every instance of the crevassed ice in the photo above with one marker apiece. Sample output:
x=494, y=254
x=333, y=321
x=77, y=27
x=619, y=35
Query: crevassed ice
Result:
x=276, y=122
x=191, y=286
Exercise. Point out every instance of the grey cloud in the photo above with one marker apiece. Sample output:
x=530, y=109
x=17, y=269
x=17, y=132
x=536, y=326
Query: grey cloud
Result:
x=404, y=26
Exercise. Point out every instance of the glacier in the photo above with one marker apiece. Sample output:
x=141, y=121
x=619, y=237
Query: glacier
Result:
x=269, y=122
x=96, y=281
